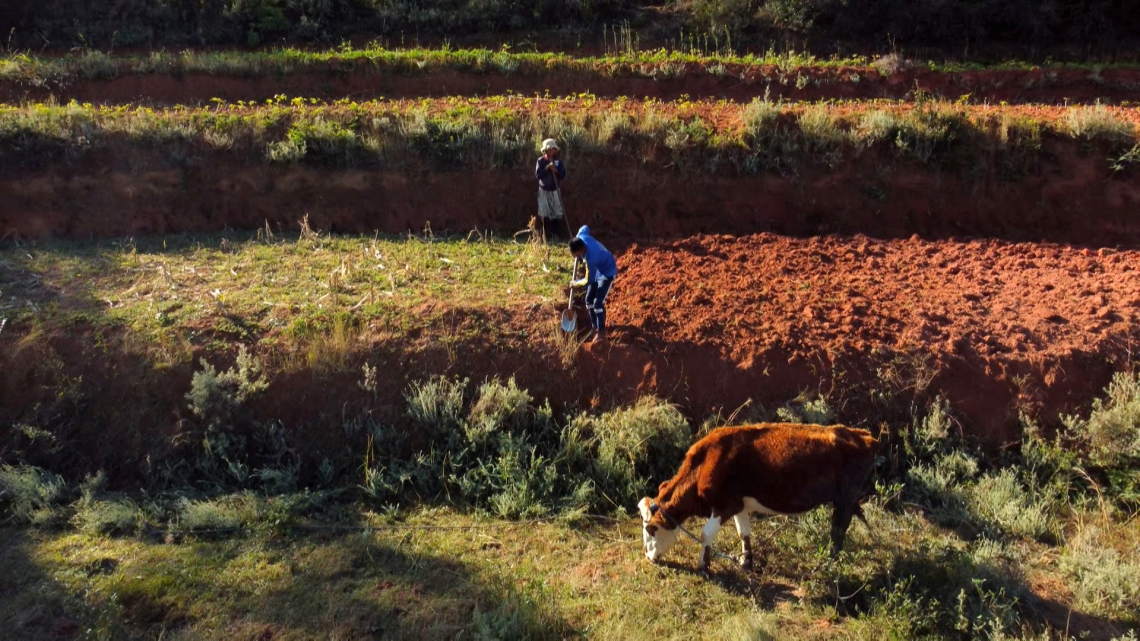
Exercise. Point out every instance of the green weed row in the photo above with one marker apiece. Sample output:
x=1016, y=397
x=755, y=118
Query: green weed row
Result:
x=97, y=65
x=505, y=131
x=659, y=64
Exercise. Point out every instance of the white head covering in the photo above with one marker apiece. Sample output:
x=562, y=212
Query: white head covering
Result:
x=549, y=144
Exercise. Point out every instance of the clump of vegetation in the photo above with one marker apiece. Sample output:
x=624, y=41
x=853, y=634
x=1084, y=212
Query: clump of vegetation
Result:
x=951, y=481
x=31, y=495
x=1098, y=123
x=1111, y=438
x=498, y=451
x=218, y=400
x=806, y=408
x=1105, y=580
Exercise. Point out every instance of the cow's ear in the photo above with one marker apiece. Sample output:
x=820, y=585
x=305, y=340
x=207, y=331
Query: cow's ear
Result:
x=651, y=530
x=643, y=507
x=661, y=488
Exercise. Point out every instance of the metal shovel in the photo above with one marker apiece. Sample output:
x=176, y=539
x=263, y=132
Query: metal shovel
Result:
x=570, y=316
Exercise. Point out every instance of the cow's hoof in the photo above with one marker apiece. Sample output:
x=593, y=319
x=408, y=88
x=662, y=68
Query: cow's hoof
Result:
x=746, y=562
x=703, y=568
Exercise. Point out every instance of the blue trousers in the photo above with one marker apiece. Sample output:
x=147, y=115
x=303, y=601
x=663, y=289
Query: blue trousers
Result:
x=596, y=291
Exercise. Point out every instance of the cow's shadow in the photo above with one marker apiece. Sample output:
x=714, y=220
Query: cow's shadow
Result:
x=929, y=575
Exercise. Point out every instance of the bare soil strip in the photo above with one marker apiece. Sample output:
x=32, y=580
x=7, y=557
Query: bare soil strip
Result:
x=998, y=327
x=1072, y=196
x=672, y=81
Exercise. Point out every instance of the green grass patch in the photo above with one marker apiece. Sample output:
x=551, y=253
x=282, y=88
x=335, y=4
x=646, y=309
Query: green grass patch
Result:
x=443, y=573
x=313, y=294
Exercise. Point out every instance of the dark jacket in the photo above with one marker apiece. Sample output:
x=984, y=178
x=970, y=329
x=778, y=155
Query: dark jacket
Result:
x=545, y=180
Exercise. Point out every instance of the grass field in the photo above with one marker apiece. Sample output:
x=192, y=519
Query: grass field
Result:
x=270, y=289
x=445, y=573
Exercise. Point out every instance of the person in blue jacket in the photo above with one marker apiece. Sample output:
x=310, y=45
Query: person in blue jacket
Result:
x=601, y=269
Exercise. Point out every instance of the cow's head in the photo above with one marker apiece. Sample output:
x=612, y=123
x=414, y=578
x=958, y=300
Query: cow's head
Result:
x=657, y=534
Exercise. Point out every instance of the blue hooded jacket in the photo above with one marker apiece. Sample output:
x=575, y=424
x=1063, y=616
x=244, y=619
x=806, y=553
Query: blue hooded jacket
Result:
x=598, y=258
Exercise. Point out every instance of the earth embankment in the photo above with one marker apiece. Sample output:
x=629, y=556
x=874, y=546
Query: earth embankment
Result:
x=1072, y=196
x=662, y=81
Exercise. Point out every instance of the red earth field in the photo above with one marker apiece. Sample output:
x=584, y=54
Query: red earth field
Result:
x=996, y=327
x=677, y=80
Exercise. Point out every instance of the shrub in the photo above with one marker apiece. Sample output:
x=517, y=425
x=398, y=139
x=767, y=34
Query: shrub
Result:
x=876, y=127
x=114, y=517
x=805, y=409
x=320, y=139
x=1004, y=502
x=1098, y=123
x=218, y=400
x=824, y=134
x=638, y=447
x=722, y=16
x=31, y=495
x=500, y=407
x=932, y=435
x=1112, y=430
x=931, y=129
x=1105, y=582
x=774, y=144
x=969, y=591
x=1111, y=437
x=792, y=15
x=947, y=479
x=436, y=405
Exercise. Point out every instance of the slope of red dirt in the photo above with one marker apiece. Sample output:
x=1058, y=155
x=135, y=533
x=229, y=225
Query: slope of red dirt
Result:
x=692, y=80
x=1071, y=196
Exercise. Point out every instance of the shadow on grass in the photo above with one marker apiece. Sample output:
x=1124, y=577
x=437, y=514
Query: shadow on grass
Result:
x=356, y=587
x=349, y=586
x=935, y=587
x=33, y=605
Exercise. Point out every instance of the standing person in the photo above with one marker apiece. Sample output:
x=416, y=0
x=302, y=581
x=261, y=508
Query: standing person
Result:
x=549, y=170
x=601, y=269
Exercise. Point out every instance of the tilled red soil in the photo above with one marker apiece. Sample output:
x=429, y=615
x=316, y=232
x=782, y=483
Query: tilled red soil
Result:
x=1001, y=327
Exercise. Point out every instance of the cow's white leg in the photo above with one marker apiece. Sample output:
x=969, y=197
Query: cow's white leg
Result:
x=744, y=528
x=707, y=536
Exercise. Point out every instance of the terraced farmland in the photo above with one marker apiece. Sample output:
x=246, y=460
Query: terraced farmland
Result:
x=260, y=309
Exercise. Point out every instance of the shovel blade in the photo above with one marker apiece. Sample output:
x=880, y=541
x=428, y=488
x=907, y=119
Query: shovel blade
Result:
x=569, y=320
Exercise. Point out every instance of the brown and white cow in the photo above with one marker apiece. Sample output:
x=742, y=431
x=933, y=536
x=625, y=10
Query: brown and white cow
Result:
x=771, y=468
